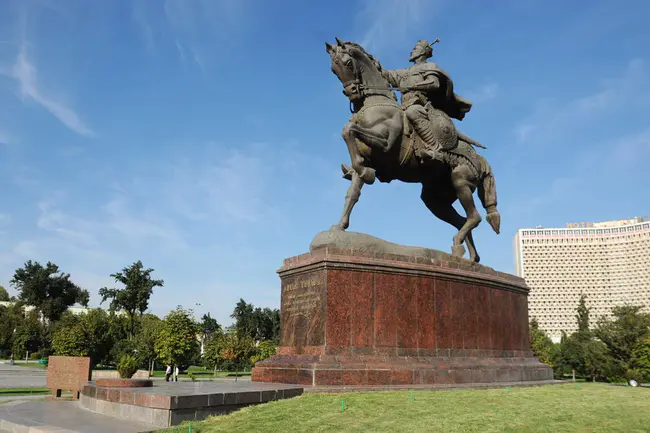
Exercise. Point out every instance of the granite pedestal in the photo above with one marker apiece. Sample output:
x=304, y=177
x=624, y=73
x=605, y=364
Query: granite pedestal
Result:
x=360, y=311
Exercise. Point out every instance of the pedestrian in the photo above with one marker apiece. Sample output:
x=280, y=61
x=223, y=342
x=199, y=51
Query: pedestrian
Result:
x=176, y=373
x=168, y=373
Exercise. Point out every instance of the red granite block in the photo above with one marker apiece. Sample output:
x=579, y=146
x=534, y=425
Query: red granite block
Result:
x=443, y=377
x=329, y=377
x=385, y=312
x=101, y=394
x=497, y=322
x=379, y=377
x=406, y=307
x=461, y=376
x=401, y=377
x=354, y=377
x=483, y=325
x=304, y=376
x=362, y=309
x=113, y=395
x=69, y=373
x=160, y=401
x=340, y=285
x=285, y=375
x=127, y=397
x=523, y=306
x=426, y=377
x=470, y=336
x=142, y=400
x=444, y=324
x=458, y=312
x=426, y=315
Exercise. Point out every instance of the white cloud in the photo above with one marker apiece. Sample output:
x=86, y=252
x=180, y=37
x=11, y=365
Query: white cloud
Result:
x=484, y=93
x=389, y=24
x=5, y=138
x=24, y=72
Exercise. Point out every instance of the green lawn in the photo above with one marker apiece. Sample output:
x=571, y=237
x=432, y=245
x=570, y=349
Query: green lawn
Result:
x=30, y=364
x=23, y=391
x=555, y=408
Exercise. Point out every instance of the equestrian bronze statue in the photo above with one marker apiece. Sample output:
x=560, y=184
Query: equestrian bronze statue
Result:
x=415, y=141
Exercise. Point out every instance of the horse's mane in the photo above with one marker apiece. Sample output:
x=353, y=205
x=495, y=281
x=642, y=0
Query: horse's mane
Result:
x=358, y=47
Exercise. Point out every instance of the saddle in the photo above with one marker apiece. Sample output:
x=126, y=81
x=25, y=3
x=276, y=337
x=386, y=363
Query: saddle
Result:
x=460, y=149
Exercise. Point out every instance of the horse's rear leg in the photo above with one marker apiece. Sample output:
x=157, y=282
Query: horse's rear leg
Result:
x=442, y=208
x=461, y=178
x=351, y=198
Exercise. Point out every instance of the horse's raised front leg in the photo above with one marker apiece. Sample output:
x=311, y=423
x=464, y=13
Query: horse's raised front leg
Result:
x=382, y=135
x=351, y=197
x=366, y=174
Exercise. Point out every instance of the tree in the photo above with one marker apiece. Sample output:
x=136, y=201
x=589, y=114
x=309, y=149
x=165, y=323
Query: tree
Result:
x=209, y=325
x=265, y=349
x=48, y=290
x=621, y=336
x=177, y=342
x=583, y=316
x=87, y=334
x=641, y=359
x=244, y=318
x=28, y=336
x=68, y=338
x=145, y=340
x=258, y=323
x=4, y=295
x=212, y=350
x=134, y=297
x=541, y=344
x=10, y=318
x=237, y=352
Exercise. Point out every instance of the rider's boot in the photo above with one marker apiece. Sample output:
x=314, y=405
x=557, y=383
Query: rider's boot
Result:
x=425, y=131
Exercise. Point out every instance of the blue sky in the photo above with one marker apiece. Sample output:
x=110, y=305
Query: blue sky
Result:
x=203, y=137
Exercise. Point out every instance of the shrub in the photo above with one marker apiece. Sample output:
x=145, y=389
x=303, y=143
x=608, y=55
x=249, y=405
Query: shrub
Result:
x=127, y=366
x=35, y=356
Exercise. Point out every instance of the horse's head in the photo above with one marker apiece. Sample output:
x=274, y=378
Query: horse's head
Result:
x=356, y=69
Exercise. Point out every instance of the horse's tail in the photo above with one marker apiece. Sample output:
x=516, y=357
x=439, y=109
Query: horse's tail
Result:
x=487, y=192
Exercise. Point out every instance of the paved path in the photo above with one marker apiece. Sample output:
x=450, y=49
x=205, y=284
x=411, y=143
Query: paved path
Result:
x=62, y=417
x=13, y=376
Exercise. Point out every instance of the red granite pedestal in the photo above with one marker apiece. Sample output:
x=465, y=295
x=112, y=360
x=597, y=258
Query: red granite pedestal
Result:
x=358, y=316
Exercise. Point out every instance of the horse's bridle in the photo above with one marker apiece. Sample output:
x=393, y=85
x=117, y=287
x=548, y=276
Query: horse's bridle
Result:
x=362, y=90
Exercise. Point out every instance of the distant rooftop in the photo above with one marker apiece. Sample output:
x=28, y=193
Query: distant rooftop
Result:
x=616, y=223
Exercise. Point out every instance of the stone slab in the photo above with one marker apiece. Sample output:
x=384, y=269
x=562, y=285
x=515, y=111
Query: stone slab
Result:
x=169, y=403
x=69, y=373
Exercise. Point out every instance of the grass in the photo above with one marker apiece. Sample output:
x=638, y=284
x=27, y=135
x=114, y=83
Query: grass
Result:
x=571, y=407
x=23, y=391
x=30, y=365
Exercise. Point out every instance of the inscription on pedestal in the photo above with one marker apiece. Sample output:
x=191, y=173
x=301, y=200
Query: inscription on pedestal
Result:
x=302, y=297
x=302, y=310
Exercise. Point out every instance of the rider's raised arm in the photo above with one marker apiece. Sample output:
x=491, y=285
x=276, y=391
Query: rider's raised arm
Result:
x=394, y=76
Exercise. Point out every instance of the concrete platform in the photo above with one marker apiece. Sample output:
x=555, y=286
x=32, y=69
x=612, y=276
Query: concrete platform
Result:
x=170, y=403
x=62, y=417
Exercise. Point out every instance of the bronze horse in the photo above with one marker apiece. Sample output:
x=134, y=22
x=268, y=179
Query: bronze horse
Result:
x=381, y=145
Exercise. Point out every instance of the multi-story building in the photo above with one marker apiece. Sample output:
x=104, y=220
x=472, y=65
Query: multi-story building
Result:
x=608, y=261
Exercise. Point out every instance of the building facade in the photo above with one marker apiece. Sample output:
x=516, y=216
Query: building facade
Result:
x=608, y=261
